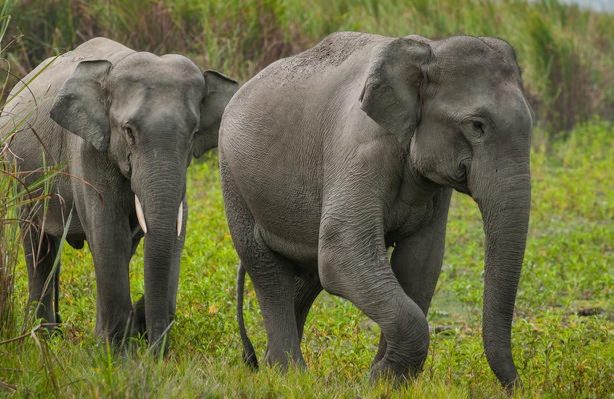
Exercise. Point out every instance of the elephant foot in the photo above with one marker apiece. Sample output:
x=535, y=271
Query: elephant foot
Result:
x=51, y=330
x=285, y=360
x=394, y=372
x=385, y=371
x=49, y=323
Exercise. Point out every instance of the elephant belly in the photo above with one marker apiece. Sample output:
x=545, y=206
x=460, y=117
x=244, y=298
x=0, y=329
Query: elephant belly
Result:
x=56, y=218
x=287, y=217
x=278, y=178
x=303, y=253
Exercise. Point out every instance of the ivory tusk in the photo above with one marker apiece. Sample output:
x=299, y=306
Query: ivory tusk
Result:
x=179, y=219
x=139, y=214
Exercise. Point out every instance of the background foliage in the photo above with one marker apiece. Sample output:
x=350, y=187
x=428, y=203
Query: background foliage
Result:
x=566, y=52
x=564, y=324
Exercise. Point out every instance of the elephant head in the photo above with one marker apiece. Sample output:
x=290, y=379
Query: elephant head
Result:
x=150, y=115
x=458, y=104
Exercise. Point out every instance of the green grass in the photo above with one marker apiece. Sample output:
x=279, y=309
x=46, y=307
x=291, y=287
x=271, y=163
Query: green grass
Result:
x=562, y=335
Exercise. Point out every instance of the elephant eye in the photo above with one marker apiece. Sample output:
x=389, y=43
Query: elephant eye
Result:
x=478, y=126
x=129, y=134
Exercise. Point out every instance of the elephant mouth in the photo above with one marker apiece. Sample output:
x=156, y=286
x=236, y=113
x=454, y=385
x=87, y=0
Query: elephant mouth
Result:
x=459, y=180
x=140, y=215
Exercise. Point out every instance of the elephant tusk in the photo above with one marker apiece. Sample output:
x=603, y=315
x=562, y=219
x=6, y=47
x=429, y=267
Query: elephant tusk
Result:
x=179, y=219
x=139, y=214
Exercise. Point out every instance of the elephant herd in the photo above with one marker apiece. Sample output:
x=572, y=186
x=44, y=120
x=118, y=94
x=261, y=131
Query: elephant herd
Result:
x=337, y=168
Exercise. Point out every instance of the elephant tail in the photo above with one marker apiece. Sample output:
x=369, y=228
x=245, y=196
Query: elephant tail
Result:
x=249, y=354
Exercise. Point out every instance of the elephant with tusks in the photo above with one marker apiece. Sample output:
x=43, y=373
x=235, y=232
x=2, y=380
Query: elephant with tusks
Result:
x=126, y=125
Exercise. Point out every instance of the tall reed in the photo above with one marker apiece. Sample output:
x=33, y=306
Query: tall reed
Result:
x=19, y=200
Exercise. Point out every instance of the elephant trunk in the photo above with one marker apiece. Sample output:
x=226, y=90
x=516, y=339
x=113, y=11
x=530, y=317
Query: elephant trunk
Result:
x=160, y=211
x=503, y=196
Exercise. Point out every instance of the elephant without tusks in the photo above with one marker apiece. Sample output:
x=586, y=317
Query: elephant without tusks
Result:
x=331, y=157
x=126, y=126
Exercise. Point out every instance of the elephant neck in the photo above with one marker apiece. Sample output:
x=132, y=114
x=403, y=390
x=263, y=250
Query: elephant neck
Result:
x=419, y=182
x=412, y=206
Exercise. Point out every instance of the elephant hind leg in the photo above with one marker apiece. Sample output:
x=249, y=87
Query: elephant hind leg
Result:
x=274, y=282
x=137, y=318
x=273, y=278
x=41, y=252
x=405, y=334
x=308, y=288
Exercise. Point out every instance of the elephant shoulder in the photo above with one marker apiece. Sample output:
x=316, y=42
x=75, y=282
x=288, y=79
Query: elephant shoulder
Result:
x=100, y=47
x=57, y=69
x=331, y=53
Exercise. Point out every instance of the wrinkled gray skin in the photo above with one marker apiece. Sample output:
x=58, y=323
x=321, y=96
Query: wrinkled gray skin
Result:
x=128, y=123
x=333, y=156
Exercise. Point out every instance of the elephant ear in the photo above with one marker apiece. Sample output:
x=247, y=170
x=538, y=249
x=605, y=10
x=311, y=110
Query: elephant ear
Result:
x=219, y=91
x=390, y=95
x=80, y=105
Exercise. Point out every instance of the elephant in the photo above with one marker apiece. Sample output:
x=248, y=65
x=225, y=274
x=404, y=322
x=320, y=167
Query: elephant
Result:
x=125, y=125
x=337, y=168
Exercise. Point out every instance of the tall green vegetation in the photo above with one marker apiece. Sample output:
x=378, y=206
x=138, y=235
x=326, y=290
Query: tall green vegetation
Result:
x=567, y=53
x=7, y=233
x=17, y=195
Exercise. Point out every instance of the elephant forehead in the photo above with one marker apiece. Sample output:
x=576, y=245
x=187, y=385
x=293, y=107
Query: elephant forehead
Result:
x=168, y=69
x=156, y=87
x=471, y=57
x=465, y=85
x=155, y=106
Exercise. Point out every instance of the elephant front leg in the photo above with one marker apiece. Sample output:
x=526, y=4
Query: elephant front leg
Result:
x=113, y=303
x=353, y=264
x=416, y=260
x=111, y=249
x=139, y=324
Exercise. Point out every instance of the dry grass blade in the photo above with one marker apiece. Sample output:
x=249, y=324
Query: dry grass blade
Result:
x=25, y=335
x=8, y=386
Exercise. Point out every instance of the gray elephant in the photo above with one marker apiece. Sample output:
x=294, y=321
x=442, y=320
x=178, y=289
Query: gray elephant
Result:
x=128, y=125
x=334, y=156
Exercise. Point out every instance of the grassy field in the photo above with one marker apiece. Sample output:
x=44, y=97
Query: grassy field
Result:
x=563, y=334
